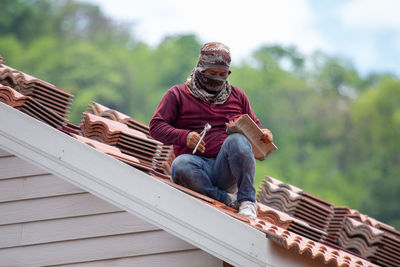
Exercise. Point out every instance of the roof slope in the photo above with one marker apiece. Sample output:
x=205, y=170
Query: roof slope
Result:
x=154, y=198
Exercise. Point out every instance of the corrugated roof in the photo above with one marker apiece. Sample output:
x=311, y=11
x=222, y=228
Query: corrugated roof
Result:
x=295, y=219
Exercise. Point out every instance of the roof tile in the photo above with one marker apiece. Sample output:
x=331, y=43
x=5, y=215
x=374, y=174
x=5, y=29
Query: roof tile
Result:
x=32, y=107
x=50, y=96
x=341, y=227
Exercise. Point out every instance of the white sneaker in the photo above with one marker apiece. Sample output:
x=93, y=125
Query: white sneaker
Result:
x=248, y=209
x=231, y=200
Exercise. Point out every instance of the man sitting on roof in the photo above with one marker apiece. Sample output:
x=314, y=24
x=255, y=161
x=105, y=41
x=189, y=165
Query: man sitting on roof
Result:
x=223, y=166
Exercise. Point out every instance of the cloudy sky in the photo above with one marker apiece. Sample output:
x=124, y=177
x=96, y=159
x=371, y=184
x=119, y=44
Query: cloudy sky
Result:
x=367, y=32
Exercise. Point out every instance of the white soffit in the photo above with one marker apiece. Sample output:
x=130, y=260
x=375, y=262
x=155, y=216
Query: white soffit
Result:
x=132, y=190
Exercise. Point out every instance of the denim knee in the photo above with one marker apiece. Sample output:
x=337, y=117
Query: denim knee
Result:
x=238, y=143
x=181, y=167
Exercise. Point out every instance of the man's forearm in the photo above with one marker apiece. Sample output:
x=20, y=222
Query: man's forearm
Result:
x=167, y=134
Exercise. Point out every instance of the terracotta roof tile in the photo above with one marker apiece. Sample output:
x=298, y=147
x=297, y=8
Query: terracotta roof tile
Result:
x=150, y=152
x=50, y=96
x=32, y=107
x=297, y=203
x=344, y=228
x=111, y=114
x=307, y=247
x=164, y=154
x=370, y=242
x=114, y=152
x=246, y=126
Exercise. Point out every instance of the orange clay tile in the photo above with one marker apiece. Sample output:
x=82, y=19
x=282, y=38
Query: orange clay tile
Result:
x=47, y=94
x=246, y=126
x=103, y=111
x=164, y=154
x=346, y=229
x=31, y=107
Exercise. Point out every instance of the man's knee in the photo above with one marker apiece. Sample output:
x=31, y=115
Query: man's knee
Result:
x=238, y=143
x=182, y=168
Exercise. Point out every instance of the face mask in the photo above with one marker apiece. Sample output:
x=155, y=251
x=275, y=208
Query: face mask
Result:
x=210, y=83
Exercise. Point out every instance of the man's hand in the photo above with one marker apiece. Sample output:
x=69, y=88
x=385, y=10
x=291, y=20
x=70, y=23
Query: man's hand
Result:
x=267, y=136
x=192, y=140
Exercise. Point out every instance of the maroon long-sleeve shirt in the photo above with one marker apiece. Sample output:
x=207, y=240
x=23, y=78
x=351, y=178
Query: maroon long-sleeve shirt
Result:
x=179, y=113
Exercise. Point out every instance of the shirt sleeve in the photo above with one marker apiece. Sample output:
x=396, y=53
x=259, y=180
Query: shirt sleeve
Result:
x=161, y=125
x=248, y=110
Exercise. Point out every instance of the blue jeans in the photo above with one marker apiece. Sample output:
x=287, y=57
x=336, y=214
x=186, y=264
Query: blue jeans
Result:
x=234, y=166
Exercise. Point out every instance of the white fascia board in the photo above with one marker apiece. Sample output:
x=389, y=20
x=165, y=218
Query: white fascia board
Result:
x=132, y=190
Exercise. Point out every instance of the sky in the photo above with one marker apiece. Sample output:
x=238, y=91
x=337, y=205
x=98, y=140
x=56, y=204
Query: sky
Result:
x=365, y=32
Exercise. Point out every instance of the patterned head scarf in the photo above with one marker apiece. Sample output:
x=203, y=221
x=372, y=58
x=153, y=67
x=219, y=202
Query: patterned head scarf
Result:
x=211, y=89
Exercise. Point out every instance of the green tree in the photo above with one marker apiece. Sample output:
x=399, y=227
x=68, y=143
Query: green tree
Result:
x=375, y=154
x=26, y=19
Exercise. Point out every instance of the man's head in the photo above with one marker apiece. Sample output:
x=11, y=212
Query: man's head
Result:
x=214, y=55
x=212, y=69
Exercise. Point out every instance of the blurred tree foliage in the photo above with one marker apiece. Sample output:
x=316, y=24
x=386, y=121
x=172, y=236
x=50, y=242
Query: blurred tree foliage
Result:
x=338, y=133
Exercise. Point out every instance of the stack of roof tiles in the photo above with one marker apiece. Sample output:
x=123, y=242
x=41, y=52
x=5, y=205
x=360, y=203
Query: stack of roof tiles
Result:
x=31, y=107
x=339, y=226
x=114, y=152
x=130, y=141
x=296, y=202
x=299, y=204
x=291, y=223
x=292, y=218
x=48, y=95
x=336, y=223
x=105, y=112
x=370, y=238
x=162, y=157
x=37, y=98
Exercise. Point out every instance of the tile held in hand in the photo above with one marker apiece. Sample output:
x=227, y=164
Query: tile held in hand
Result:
x=246, y=126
